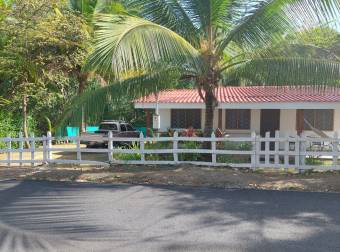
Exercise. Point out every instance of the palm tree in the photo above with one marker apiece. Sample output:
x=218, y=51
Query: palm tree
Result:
x=209, y=42
x=88, y=9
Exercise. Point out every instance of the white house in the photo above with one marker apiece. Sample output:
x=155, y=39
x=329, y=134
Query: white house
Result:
x=244, y=109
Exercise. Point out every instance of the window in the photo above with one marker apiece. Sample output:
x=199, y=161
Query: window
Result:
x=237, y=119
x=186, y=118
x=108, y=126
x=321, y=119
x=129, y=127
x=122, y=127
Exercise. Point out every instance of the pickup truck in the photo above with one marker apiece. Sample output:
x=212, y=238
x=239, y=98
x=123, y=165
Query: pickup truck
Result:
x=118, y=128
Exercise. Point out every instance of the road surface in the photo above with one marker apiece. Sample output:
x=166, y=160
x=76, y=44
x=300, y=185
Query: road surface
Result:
x=45, y=216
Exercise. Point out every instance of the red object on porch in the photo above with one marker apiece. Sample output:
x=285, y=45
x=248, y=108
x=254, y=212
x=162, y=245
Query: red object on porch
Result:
x=251, y=94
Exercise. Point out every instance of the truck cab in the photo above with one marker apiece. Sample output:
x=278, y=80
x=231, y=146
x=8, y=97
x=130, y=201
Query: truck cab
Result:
x=118, y=128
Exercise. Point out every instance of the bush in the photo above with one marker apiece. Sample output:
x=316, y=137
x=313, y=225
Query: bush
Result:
x=311, y=160
x=228, y=145
x=233, y=159
x=8, y=127
x=189, y=156
x=128, y=156
x=159, y=146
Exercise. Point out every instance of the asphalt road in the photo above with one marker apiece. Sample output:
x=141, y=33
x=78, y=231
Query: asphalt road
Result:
x=43, y=216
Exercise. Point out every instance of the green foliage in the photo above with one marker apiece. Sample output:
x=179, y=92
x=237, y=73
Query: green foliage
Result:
x=158, y=146
x=128, y=156
x=229, y=145
x=324, y=37
x=311, y=160
x=42, y=44
x=210, y=43
x=189, y=156
x=8, y=125
x=232, y=159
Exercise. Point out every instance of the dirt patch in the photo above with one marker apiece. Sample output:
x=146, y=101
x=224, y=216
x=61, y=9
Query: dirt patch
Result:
x=182, y=175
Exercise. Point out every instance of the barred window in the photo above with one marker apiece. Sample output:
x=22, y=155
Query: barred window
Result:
x=237, y=119
x=322, y=119
x=186, y=118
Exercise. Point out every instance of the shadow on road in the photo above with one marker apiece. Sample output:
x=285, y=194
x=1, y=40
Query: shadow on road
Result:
x=40, y=216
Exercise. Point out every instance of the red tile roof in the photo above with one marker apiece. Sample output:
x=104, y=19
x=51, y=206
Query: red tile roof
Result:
x=252, y=94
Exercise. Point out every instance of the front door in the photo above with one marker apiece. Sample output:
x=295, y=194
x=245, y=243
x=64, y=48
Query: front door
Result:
x=270, y=121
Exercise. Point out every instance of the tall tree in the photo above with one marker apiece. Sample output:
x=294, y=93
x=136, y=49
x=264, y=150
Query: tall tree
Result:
x=42, y=46
x=210, y=42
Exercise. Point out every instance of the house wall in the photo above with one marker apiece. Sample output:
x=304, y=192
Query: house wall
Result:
x=165, y=115
x=287, y=121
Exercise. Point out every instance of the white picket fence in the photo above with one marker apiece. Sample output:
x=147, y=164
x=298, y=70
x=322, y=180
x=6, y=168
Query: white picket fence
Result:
x=291, y=151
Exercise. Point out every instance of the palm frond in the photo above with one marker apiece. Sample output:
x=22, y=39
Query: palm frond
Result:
x=124, y=44
x=3, y=102
x=285, y=71
x=270, y=20
x=94, y=103
x=170, y=14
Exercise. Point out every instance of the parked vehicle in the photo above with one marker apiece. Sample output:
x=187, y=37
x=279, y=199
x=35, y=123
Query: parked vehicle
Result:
x=119, y=129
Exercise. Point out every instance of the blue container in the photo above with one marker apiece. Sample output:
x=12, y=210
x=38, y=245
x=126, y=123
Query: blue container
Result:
x=92, y=129
x=74, y=131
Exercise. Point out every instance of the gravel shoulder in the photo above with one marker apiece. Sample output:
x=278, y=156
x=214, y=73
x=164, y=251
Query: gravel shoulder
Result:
x=184, y=175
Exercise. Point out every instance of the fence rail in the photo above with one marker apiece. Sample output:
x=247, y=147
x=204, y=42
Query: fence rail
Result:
x=293, y=151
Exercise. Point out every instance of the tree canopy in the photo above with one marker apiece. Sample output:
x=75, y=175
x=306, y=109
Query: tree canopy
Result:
x=211, y=43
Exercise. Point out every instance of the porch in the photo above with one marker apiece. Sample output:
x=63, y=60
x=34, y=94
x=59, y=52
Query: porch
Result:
x=241, y=122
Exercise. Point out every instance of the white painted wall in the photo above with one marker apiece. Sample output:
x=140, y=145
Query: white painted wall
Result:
x=165, y=117
x=288, y=121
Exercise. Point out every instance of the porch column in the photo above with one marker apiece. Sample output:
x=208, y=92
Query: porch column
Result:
x=300, y=123
x=220, y=111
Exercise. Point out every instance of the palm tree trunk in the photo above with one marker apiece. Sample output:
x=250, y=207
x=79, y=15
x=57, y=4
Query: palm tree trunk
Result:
x=24, y=119
x=82, y=82
x=209, y=112
x=210, y=105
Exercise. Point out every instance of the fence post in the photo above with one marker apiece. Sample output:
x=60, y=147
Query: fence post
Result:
x=267, y=149
x=286, y=152
x=335, y=148
x=277, y=149
x=78, y=148
x=44, y=150
x=254, y=149
x=297, y=149
x=110, y=146
x=49, y=146
x=175, y=147
x=258, y=151
x=21, y=148
x=9, y=150
x=303, y=149
x=32, y=149
x=213, y=148
x=142, y=147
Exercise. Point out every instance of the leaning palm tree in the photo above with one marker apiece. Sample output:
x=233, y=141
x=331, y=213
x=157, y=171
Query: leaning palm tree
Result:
x=208, y=42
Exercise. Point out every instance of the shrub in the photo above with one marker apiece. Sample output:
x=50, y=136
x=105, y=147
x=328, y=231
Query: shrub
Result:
x=189, y=156
x=228, y=145
x=311, y=160
x=128, y=156
x=233, y=159
x=159, y=146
